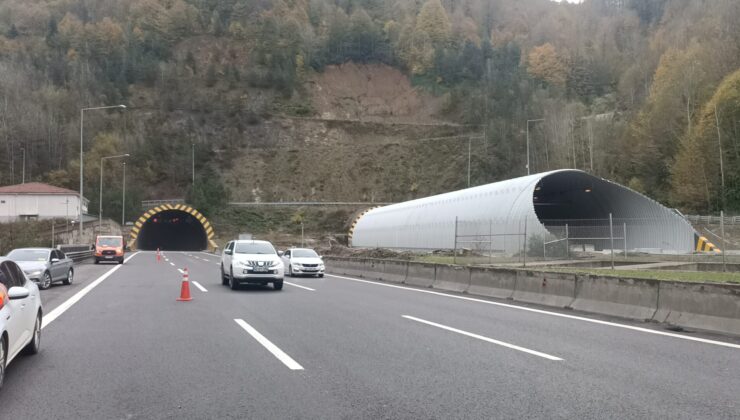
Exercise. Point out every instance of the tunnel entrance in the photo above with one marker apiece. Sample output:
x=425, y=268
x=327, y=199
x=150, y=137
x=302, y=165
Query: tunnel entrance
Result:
x=172, y=228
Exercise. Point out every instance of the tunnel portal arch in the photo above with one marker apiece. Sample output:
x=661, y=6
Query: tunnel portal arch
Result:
x=177, y=227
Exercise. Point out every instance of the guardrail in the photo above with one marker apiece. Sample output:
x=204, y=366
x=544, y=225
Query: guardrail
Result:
x=714, y=220
x=79, y=255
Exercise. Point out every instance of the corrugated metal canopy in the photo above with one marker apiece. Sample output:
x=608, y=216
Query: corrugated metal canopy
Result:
x=542, y=202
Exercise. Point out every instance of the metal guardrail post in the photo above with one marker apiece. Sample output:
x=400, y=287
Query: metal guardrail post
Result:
x=624, y=237
x=567, y=241
x=490, y=241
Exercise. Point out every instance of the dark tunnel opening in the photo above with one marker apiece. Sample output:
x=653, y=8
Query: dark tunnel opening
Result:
x=172, y=230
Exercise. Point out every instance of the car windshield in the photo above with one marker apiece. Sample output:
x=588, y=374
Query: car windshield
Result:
x=254, y=248
x=305, y=253
x=28, y=255
x=109, y=241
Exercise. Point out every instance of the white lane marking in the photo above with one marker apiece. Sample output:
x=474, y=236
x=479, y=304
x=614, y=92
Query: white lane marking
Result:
x=62, y=308
x=172, y=264
x=202, y=289
x=281, y=355
x=298, y=285
x=209, y=255
x=480, y=337
x=181, y=271
x=543, y=312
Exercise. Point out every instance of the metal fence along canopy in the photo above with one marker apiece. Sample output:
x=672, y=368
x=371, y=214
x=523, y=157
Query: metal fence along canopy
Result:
x=535, y=205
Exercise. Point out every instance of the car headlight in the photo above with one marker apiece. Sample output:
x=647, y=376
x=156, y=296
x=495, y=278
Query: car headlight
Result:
x=297, y=266
x=241, y=263
x=275, y=264
x=34, y=273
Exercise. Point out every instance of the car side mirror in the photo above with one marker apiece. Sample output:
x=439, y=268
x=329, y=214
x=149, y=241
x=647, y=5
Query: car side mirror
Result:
x=227, y=252
x=54, y=260
x=281, y=253
x=17, y=292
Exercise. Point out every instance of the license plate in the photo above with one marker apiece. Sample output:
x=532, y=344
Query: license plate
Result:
x=108, y=257
x=310, y=269
x=260, y=269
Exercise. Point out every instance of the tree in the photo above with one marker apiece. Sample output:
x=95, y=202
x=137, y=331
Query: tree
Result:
x=12, y=32
x=545, y=64
x=434, y=23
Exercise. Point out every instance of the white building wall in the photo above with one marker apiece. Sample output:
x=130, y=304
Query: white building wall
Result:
x=42, y=206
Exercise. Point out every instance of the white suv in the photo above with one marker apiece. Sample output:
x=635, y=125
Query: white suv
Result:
x=254, y=262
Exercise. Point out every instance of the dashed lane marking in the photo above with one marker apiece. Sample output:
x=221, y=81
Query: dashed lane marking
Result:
x=272, y=348
x=486, y=339
x=550, y=313
x=298, y=285
x=202, y=289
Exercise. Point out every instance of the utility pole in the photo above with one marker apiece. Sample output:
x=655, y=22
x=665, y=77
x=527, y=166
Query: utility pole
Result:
x=469, y=140
x=192, y=146
x=529, y=121
x=100, y=212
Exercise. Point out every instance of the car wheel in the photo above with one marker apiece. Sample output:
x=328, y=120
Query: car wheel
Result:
x=70, y=277
x=232, y=281
x=45, y=282
x=35, y=344
x=321, y=275
x=120, y=261
x=97, y=261
x=3, y=359
x=290, y=271
x=278, y=284
x=224, y=279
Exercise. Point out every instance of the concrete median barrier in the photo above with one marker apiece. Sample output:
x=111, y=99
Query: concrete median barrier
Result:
x=626, y=298
x=394, y=271
x=498, y=283
x=452, y=278
x=713, y=307
x=551, y=289
x=421, y=274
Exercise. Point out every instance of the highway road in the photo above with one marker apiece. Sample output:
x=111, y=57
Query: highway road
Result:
x=117, y=345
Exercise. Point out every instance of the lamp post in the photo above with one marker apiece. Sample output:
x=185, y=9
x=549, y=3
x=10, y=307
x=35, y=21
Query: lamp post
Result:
x=529, y=121
x=123, y=200
x=23, y=179
x=82, y=150
x=192, y=146
x=100, y=212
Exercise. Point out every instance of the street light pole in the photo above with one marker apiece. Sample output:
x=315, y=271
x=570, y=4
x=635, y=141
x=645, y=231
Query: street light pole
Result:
x=721, y=160
x=192, y=146
x=82, y=151
x=23, y=180
x=100, y=212
x=123, y=200
x=529, y=121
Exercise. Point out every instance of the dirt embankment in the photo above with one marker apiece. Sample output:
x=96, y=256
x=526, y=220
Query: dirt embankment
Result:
x=371, y=92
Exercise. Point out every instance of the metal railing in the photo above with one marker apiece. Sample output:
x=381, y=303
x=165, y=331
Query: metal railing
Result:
x=148, y=204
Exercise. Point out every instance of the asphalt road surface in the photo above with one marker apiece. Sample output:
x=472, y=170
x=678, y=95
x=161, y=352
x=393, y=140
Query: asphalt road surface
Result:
x=121, y=347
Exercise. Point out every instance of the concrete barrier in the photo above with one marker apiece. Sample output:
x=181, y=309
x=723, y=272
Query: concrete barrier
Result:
x=452, y=278
x=421, y=274
x=551, y=289
x=626, y=298
x=713, y=307
x=394, y=271
x=498, y=283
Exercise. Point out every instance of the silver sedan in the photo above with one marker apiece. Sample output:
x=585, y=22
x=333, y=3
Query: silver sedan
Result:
x=44, y=265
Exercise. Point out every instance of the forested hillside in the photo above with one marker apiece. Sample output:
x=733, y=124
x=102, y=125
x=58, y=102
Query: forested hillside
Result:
x=378, y=96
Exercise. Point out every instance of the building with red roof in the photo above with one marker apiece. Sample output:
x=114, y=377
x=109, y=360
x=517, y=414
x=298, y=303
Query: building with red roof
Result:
x=36, y=200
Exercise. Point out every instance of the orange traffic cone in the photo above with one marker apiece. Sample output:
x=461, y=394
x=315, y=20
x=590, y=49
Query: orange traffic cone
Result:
x=185, y=288
x=159, y=257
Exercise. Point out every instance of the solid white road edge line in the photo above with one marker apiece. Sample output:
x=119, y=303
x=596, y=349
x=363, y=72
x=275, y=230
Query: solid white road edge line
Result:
x=287, y=360
x=202, y=289
x=62, y=308
x=543, y=312
x=298, y=285
x=480, y=337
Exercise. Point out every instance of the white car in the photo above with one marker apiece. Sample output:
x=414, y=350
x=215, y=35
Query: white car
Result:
x=20, y=314
x=253, y=262
x=302, y=261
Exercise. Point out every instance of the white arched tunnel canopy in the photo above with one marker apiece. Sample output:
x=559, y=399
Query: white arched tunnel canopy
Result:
x=541, y=204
